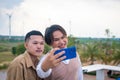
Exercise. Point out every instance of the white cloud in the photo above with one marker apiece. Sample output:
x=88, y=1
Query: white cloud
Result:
x=88, y=18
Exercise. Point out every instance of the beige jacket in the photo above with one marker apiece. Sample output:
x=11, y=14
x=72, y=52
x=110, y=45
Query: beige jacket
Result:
x=22, y=68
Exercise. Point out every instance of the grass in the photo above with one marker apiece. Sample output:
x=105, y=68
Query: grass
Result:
x=5, y=59
x=6, y=56
x=5, y=51
x=7, y=46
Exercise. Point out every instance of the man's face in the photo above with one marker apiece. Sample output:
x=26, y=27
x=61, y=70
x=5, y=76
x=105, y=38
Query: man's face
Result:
x=59, y=40
x=35, y=45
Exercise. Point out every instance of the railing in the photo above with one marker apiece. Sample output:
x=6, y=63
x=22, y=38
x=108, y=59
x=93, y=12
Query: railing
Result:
x=99, y=68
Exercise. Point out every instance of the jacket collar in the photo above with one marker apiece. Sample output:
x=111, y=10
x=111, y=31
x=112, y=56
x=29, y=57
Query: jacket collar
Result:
x=28, y=60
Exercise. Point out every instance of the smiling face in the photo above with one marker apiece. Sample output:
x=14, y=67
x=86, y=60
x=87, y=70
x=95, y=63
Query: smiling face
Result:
x=59, y=40
x=35, y=45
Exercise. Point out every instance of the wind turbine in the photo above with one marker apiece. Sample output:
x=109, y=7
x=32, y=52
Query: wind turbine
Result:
x=9, y=15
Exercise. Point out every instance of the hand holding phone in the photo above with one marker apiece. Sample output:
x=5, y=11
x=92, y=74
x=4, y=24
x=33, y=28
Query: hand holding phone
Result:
x=70, y=52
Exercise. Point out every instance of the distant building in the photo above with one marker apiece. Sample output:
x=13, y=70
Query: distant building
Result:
x=13, y=38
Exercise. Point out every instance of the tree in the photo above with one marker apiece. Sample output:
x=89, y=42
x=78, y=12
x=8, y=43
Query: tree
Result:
x=71, y=40
x=46, y=49
x=20, y=49
x=107, y=33
x=91, y=52
x=116, y=58
x=14, y=50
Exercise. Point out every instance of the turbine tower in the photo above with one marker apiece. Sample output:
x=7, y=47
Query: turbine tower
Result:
x=9, y=15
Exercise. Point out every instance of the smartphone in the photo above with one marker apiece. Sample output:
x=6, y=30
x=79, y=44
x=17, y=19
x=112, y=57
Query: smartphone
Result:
x=70, y=52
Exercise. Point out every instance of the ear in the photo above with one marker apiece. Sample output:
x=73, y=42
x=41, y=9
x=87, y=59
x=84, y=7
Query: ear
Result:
x=25, y=45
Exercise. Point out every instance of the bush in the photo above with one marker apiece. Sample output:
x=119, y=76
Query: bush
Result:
x=4, y=65
x=14, y=50
x=20, y=49
x=46, y=49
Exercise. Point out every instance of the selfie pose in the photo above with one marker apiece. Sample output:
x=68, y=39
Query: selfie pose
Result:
x=53, y=68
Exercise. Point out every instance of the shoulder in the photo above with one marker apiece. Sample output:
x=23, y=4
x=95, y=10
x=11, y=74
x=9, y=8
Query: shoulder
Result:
x=19, y=60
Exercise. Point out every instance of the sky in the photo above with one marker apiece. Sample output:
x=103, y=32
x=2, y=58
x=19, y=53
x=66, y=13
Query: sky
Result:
x=81, y=18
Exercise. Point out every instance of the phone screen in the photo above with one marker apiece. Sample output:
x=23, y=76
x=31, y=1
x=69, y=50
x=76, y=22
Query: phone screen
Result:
x=70, y=52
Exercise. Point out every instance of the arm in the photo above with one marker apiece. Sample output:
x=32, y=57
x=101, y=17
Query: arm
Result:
x=15, y=72
x=44, y=68
x=80, y=72
x=40, y=72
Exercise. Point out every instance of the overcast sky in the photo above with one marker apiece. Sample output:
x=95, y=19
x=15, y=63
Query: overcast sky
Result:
x=81, y=18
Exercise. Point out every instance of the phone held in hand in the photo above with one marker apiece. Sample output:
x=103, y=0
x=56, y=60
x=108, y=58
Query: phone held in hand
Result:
x=70, y=52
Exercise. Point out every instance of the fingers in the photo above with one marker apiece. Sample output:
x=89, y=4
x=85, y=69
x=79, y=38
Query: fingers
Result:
x=53, y=51
x=58, y=55
x=58, y=60
x=53, y=60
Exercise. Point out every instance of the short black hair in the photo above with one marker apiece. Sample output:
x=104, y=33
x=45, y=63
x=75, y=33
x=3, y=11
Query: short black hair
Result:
x=33, y=32
x=49, y=32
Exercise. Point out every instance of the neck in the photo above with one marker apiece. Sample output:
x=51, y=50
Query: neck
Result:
x=34, y=59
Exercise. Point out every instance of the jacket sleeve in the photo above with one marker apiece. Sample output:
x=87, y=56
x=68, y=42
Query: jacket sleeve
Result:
x=39, y=70
x=15, y=72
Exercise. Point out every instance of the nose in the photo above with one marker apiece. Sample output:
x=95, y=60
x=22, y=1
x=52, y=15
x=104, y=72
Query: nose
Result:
x=38, y=46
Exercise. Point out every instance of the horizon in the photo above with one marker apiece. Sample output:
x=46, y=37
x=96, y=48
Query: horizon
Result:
x=68, y=35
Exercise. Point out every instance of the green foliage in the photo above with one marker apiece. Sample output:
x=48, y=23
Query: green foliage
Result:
x=14, y=50
x=20, y=49
x=91, y=52
x=6, y=57
x=4, y=66
x=71, y=41
x=107, y=51
x=116, y=57
x=2, y=48
x=46, y=49
x=7, y=46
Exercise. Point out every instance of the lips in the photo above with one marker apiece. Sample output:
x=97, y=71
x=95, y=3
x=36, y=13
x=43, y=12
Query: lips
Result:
x=62, y=46
x=39, y=51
